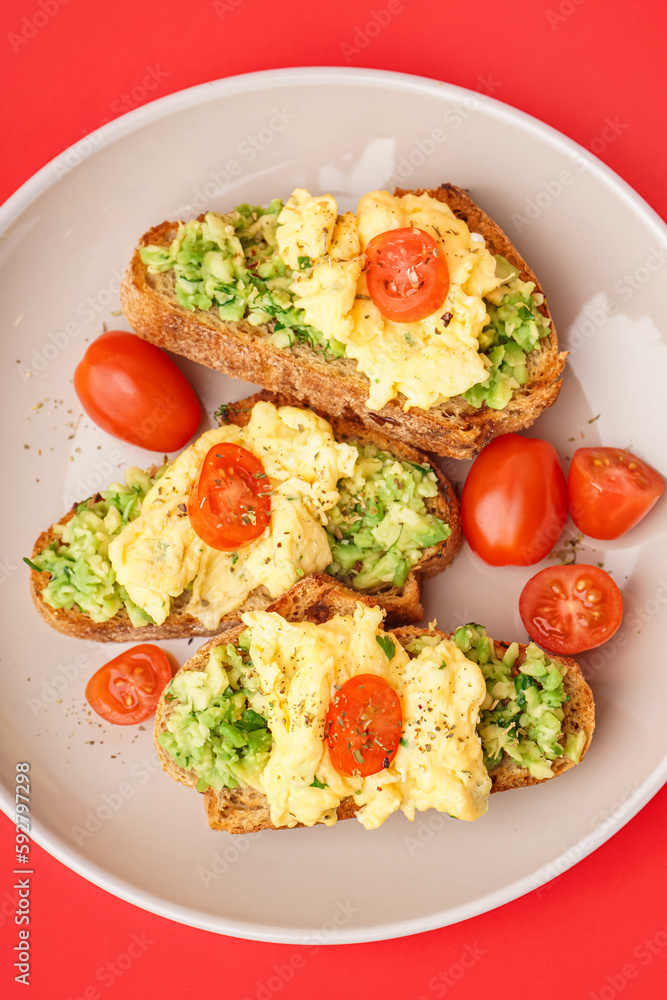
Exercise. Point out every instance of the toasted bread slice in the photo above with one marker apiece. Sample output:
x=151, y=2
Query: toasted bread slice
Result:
x=402, y=604
x=453, y=428
x=317, y=599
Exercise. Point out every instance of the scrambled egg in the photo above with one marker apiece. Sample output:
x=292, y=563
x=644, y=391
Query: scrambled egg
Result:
x=428, y=361
x=159, y=555
x=439, y=762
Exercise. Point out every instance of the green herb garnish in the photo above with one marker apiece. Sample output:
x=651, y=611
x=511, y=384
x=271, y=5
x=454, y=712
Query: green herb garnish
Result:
x=387, y=645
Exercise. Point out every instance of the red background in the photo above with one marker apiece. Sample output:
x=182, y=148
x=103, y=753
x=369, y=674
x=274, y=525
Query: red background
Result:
x=597, y=931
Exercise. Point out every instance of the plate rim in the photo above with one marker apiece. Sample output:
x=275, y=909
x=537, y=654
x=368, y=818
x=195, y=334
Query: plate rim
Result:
x=45, y=177
x=273, y=934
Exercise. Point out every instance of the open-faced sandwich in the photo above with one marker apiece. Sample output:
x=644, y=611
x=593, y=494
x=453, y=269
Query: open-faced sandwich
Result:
x=273, y=494
x=415, y=314
x=310, y=711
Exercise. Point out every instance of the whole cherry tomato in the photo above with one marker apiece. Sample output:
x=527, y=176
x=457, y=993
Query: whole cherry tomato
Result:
x=514, y=501
x=133, y=390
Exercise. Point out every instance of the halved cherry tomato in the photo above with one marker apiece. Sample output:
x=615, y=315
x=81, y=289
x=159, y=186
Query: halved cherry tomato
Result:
x=407, y=274
x=610, y=490
x=230, y=505
x=133, y=390
x=126, y=690
x=514, y=501
x=567, y=609
x=363, y=725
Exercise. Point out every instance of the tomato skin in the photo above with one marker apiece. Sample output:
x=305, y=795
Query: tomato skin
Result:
x=134, y=391
x=407, y=274
x=364, y=718
x=230, y=504
x=610, y=490
x=126, y=690
x=568, y=609
x=514, y=501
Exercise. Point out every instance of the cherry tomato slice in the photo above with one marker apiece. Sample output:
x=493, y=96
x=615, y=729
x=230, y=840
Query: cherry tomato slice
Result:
x=610, y=490
x=133, y=390
x=230, y=505
x=363, y=725
x=514, y=501
x=567, y=609
x=126, y=690
x=407, y=274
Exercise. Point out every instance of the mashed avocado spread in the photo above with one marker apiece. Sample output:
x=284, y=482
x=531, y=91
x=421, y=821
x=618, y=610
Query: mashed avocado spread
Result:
x=230, y=263
x=216, y=727
x=515, y=328
x=78, y=560
x=380, y=525
x=522, y=714
x=377, y=531
x=213, y=728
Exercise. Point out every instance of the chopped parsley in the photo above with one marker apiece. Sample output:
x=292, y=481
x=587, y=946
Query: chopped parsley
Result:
x=387, y=645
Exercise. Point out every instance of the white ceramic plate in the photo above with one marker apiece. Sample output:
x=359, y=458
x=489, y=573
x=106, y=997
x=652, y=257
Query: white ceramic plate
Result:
x=98, y=801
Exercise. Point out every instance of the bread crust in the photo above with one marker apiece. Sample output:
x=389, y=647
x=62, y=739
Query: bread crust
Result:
x=402, y=604
x=317, y=599
x=454, y=428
